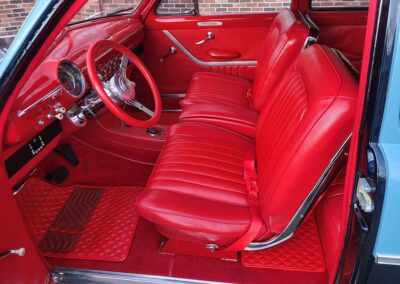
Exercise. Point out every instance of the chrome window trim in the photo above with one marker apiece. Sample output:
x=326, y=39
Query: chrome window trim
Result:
x=207, y=63
x=71, y=275
x=303, y=209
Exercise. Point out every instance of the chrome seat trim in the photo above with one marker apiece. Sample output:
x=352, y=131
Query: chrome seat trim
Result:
x=303, y=210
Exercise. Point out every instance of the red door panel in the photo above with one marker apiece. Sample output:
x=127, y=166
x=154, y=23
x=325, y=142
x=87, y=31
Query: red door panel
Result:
x=343, y=30
x=233, y=50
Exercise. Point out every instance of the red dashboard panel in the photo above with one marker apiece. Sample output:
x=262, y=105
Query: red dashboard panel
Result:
x=42, y=93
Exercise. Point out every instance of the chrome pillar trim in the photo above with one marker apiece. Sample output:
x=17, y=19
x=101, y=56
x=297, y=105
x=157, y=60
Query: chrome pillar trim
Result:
x=173, y=95
x=302, y=211
x=42, y=99
x=387, y=259
x=71, y=275
x=207, y=63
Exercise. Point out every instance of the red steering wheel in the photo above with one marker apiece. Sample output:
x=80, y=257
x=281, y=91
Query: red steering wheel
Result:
x=119, y=90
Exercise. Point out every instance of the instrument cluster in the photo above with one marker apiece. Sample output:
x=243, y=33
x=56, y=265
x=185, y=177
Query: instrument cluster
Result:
x=106, y=70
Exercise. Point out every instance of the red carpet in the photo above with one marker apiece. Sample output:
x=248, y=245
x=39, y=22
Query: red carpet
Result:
x=100, y=230
x=303, y=252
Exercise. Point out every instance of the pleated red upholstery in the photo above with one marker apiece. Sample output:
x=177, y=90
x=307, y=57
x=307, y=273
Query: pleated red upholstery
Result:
x=218, y=88
x=199, y=176
x=197, y=191
x=280, y=48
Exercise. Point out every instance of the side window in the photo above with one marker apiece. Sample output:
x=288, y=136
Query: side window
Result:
x=176, y=7
x=333, y=4
x=219, y=7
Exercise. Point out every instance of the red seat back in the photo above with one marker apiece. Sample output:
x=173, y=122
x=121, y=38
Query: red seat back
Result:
x=280, y=48
x=304, y=123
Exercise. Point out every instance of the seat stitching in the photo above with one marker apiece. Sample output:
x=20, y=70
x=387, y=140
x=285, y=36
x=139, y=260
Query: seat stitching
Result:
x=200, y=174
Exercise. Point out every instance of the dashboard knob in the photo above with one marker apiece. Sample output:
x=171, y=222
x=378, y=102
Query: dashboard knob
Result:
x=58, y=116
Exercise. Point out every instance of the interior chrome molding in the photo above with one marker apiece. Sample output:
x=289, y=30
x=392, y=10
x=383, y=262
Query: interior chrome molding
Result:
x=172, y=110
x=302, y=211
x=207, y=63
x=173, y=95
x=210, y=24
x=71, y=275
x=42, y=99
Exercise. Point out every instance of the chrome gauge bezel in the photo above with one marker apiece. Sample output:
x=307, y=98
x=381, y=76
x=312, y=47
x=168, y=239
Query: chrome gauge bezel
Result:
x=76, y=72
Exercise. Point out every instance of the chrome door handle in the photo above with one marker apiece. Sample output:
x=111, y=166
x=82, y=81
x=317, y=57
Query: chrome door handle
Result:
x=210, y=36
x=19, y=252
x=172, y=51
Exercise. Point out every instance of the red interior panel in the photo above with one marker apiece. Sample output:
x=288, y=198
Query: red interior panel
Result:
x=343, y=30
x=237, y=34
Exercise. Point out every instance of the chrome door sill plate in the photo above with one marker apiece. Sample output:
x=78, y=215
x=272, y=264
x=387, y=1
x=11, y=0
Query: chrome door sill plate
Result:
x=71, y=275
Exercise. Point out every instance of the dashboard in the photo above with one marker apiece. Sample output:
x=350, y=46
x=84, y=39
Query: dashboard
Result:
x=53, y=95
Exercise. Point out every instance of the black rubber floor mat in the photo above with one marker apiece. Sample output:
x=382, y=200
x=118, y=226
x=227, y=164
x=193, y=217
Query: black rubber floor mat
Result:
x=78, y=209
x=57, y=242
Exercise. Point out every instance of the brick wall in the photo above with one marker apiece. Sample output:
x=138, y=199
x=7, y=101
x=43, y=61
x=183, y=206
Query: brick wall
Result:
x=14, y=12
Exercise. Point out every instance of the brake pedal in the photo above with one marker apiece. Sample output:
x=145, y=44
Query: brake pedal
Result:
x=67, y=152
x=59, y=175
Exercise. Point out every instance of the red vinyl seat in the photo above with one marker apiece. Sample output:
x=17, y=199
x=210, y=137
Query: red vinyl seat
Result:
x=230, y=95
x=197, y=191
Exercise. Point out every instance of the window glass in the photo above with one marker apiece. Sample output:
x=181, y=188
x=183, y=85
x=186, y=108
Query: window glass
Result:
x=339, y=4
x=218, y=7
x=176, y=7
x=101, y=8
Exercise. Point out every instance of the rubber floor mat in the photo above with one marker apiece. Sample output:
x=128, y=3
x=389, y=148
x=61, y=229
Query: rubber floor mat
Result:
x=106, y=235
x=303, y=252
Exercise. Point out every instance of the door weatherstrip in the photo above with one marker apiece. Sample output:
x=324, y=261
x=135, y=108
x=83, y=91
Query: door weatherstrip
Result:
x=207, y=63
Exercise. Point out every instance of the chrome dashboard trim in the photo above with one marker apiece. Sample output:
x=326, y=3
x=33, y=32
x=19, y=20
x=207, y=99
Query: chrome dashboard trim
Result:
x=207, y=63
x=74, y=275
x=52, y=94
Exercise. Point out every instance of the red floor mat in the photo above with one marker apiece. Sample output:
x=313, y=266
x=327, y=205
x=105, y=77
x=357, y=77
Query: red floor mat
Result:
x=303, y=252
x=107, y=235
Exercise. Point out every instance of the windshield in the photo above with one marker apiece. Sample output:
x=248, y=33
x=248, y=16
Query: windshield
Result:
x=101, y=8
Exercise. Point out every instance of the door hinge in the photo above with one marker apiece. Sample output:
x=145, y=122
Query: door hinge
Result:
x=365, y=187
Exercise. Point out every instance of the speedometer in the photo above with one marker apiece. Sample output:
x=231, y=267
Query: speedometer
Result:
x=71, y=78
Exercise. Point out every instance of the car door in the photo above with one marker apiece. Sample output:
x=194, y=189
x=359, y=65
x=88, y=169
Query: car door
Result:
x=184, y=37
x=342, y=26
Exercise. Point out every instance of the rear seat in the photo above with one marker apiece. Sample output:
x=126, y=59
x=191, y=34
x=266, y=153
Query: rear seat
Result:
x=234, y=103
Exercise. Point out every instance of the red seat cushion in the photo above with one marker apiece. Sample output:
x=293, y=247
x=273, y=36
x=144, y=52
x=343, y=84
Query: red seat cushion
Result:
x=197, y=192
x=238, y=119
x=218, y=89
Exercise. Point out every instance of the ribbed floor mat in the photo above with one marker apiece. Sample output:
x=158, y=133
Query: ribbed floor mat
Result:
x=80, y=222
x=303, y=252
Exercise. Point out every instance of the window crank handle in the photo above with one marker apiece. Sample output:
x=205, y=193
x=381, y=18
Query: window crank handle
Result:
x=172, y=51
x=210, y=36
